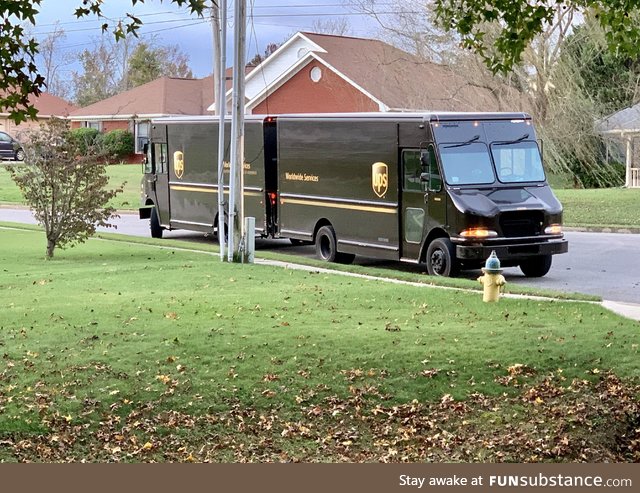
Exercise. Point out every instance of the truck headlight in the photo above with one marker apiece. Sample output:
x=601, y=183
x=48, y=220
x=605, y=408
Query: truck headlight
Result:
x=554, y=229
x=478, y=233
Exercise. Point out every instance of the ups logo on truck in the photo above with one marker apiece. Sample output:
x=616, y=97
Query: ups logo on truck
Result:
x=379, y=178
x=178, y=164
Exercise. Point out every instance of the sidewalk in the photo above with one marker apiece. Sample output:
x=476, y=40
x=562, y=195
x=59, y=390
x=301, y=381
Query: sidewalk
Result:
x=628, y=310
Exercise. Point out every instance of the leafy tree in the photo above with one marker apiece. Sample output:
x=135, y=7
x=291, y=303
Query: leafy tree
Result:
x=21, y=77
x=521, y=21
x=113, y=67
x=65, y=185
x=148, y=62
x=100, y=77
x=610, y=79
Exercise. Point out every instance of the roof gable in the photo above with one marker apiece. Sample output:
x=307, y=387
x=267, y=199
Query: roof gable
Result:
x=624, y=121
x=392, y=78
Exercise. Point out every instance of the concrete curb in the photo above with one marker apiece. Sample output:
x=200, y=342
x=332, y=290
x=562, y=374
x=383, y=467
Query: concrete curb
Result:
x=602, y=229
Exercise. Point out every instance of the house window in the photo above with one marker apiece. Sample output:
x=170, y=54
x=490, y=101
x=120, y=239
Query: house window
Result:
x=315, y=74
x=142, y=135
x=92, y=124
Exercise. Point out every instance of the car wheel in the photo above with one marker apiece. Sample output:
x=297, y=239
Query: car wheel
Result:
x=154, y=223
x=536, y=266
x=441, y=258
x=19, y=155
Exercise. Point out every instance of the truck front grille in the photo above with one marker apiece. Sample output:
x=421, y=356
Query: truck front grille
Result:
x=521, y=223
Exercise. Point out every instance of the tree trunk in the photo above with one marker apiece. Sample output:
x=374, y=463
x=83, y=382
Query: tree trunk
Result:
x=51, y=245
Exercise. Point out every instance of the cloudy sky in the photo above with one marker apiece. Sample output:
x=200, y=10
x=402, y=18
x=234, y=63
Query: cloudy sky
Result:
x=269, y=21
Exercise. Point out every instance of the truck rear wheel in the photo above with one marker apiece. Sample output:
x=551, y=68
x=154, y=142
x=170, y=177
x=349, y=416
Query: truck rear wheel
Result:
x=441, y=258
x=536, y=266
x=327, y=247
x=154, y=224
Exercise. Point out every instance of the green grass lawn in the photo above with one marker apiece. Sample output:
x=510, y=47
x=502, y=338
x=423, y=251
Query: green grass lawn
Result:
x=601, y=207
x=129, y=199
x=115, y=351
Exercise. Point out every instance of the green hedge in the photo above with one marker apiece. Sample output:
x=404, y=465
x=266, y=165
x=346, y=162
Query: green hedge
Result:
x=83, y=138
x=118, y=144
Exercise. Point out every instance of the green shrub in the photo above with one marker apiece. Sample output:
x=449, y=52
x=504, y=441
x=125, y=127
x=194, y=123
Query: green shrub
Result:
x=118, y=144
x=83, y=138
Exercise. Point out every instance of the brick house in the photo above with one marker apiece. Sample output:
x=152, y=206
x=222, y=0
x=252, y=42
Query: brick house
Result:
x=132, y=110
x=319, y=73
x=47, y=105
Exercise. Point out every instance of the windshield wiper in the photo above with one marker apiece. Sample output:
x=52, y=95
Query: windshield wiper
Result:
x=525, y=136
x=470, y=141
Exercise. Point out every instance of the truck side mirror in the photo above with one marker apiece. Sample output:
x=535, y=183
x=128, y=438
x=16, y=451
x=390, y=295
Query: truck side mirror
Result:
x=424, y=160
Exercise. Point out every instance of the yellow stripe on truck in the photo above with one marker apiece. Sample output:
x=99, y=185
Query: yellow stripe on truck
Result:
x=341, y=205
x=184, y=188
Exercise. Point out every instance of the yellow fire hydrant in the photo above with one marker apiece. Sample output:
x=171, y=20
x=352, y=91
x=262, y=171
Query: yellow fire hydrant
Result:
x=492, y=280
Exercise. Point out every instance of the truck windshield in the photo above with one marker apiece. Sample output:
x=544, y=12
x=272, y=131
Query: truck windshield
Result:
x=517, y=161
x=466, y=163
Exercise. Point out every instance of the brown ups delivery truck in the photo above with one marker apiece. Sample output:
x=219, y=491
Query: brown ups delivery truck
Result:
x=443, y=189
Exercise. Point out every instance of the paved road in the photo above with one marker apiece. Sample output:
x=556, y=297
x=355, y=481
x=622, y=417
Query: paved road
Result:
x=603, y=264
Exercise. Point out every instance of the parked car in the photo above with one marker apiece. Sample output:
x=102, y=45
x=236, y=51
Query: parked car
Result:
x=10, y=148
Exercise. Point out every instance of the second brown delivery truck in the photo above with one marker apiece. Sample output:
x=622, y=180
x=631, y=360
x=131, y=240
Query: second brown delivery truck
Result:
x=444, y=189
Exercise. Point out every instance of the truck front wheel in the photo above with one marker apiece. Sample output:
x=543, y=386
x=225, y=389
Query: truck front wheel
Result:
x=441, y=258
x=327, y=247
x=536, y=266
x=154, y=223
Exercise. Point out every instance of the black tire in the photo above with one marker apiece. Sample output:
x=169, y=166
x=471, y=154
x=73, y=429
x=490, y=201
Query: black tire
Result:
x=19, y=155
x=154, y=224
x=536, y=266
x=326, y=244
x=226, y=232
x=441, y=258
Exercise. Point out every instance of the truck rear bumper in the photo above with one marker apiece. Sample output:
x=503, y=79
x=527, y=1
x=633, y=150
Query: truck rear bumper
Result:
x=512, y=251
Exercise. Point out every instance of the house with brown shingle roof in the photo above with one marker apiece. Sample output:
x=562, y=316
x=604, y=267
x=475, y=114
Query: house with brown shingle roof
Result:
x=319, y=73
x=47, y=105
x=132, y=110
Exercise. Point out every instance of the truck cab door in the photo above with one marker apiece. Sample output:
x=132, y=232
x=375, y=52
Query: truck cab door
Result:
x=414, y=204
x=161, y=178
x=423, y=199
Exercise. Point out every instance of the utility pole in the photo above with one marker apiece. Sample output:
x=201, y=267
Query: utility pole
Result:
x=219, y=24
x=236, y=180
